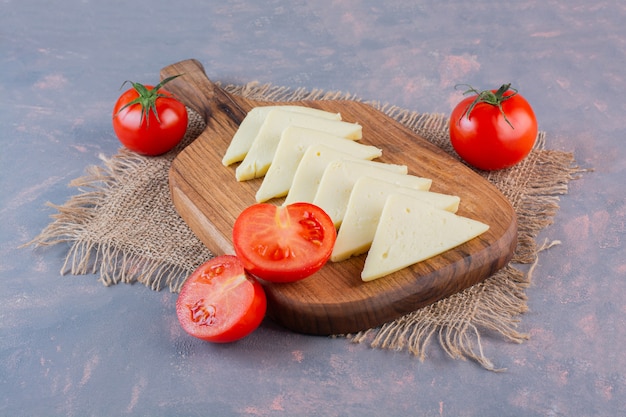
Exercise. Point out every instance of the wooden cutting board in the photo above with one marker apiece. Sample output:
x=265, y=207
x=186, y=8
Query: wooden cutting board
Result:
x=335, y=300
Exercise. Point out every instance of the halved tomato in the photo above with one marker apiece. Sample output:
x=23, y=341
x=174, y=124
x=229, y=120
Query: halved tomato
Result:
x=283, y=243
x=220, y=302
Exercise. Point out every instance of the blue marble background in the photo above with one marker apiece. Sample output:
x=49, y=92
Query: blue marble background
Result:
x=70, y=346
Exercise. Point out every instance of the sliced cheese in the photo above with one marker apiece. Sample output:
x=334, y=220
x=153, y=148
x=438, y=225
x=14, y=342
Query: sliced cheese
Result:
x=364, y=208
x=340, y=176
x=311, y=168
x=410, y=231
x=261, y=153
x=251, y=124
x=293, y=143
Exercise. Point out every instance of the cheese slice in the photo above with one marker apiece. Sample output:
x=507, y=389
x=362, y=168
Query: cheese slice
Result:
x=261, y=153
x=364, y=208
x=293, y=143
x=411, y=231
x=307, y=178
x=339, y=178
x=251, y=124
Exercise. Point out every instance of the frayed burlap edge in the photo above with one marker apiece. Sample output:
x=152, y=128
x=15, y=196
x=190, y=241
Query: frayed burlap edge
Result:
x=118, y=250
x=456, y=322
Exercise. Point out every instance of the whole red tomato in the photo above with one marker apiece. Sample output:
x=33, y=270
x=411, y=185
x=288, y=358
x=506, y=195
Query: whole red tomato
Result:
x=148, y=119
x=494, y=129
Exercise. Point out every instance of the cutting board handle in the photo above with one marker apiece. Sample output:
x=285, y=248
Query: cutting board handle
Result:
x=198, y=92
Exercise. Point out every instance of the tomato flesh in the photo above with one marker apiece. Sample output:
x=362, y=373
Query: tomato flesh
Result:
x=283, y=244
x=219, y=302
x=149, y=135
x=485, y=140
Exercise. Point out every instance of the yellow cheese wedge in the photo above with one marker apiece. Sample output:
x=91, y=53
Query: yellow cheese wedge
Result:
x=339, y=178
x=293, y=143
x=261, y=153
x=411, y=231
x=364, y=208
x=311, y=168
x=251, y=124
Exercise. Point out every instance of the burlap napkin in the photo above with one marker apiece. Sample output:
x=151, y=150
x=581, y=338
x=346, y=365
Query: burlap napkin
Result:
x=123, y=226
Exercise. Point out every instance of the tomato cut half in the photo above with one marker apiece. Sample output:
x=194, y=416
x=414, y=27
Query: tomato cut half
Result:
x=283, y=243
x=220, y=302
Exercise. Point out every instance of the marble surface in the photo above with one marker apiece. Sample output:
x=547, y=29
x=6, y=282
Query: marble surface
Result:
x=70, y=346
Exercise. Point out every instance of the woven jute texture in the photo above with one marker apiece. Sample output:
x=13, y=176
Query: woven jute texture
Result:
x=123, y=227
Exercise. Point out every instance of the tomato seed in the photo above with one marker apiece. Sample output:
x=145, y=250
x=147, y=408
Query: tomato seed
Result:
x=279, y=253
x=314, y=232
x=210, y=273
x=217, y=269
x=203, y=315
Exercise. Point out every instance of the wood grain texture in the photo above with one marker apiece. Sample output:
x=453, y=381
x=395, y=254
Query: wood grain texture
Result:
x=335, y=300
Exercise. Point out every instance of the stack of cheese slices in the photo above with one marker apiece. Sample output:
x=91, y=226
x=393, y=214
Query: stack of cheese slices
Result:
x=310, y=155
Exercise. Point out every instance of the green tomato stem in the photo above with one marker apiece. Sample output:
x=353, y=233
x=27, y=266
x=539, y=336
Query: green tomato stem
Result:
x=489, y=97
x=147, y=98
